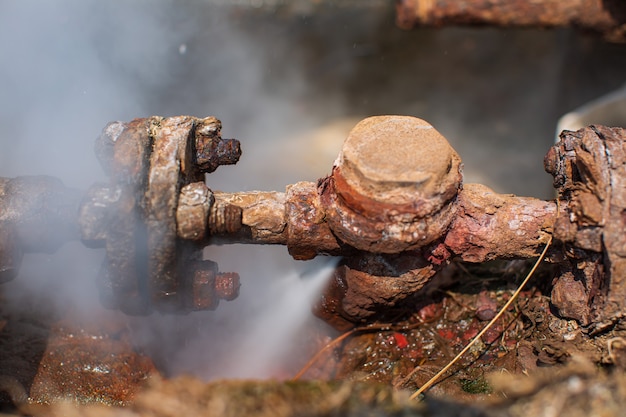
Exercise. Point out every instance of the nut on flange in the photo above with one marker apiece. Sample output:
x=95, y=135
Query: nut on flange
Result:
x=392, y=184
x=208, y=286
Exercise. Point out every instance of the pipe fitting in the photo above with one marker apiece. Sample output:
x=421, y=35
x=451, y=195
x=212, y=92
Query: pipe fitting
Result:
x=394, y=207
x=393, y=185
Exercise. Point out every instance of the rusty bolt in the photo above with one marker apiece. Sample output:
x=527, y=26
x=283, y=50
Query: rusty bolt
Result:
x=211, y=150
x=105, y=144
x=227, y=285
x=203, y=286
x=392, y=185
x=224, y=218
x=209, y=286
x=94, y=213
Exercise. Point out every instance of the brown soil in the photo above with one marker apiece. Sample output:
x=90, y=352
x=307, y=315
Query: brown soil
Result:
x=530, y=363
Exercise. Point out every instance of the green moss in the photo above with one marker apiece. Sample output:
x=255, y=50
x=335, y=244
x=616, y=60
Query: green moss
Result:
x=476, y=386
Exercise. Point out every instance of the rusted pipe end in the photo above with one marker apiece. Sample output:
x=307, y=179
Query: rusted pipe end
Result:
x=589, y=170
x=392, y=185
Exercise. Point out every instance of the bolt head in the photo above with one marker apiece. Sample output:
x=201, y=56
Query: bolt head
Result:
x=203, y=286
x=393, y=186
x=94, y=214
x=401, y=161
x=105, y=144
x=209, y=286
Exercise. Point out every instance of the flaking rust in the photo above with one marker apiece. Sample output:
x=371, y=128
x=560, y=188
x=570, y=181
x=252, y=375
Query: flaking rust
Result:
x=89, y=360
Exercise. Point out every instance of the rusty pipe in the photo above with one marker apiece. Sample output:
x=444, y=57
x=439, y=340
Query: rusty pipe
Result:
x=607, y=17
x=396, y=187
x=394, y=205
x=487, y=225
x=396, y=208
x=37, y=214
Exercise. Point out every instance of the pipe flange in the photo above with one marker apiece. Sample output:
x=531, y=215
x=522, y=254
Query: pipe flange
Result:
x=112, y=212
x=171, y=163
x=154, y=214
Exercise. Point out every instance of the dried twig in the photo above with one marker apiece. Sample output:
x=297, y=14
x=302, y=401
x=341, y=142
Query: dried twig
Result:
x=434, y=379
x=330, y=344
x=333, y=343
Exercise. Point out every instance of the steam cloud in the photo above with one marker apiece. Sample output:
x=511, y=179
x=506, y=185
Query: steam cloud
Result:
x=71, y=66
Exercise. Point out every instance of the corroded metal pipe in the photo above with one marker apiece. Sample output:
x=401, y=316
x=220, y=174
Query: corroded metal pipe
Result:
x=394, y=206
x=396, y=187
x=37, y=214
x=607, y=17
x=589, y=169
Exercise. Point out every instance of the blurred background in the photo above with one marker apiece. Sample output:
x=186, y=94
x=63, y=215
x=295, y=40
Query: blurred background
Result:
x=289, y=80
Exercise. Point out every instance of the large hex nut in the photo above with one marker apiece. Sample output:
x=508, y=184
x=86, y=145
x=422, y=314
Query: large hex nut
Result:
x=95, y=213
x=392, y=185
x=192, y=213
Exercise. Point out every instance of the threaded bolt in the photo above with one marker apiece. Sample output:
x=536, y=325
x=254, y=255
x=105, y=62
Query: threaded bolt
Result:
x=224, y=218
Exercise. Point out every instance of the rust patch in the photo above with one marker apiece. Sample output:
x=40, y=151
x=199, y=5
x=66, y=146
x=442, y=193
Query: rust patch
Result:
x=90, y=361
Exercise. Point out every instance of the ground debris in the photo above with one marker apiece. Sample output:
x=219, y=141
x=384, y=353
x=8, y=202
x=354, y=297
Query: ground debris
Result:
x=188, y=396
x=408, y=351
x=575, y=390
x=90, y=361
